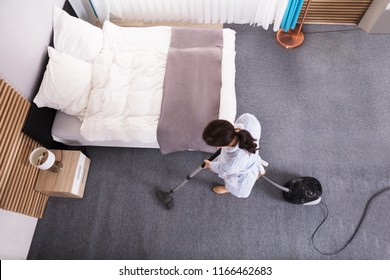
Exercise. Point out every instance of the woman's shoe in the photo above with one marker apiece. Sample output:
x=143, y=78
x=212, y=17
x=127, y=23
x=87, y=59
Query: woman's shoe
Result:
x=220, y=190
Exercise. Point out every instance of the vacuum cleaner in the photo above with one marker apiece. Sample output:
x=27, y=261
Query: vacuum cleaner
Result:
x=302, y=190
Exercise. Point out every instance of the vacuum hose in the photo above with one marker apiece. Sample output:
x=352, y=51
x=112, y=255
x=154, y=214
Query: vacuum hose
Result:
x=276, y=185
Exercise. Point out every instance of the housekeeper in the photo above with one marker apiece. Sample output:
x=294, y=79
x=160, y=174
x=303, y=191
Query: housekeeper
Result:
x=239, y=163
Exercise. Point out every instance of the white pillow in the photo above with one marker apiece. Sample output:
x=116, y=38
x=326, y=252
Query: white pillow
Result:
x=75, y=36
x=126, y=39
x=66, y=84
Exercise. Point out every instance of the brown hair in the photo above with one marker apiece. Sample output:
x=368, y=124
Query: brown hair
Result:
x=220, y=133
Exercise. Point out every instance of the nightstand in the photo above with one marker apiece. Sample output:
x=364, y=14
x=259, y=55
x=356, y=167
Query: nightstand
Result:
x=70, y=182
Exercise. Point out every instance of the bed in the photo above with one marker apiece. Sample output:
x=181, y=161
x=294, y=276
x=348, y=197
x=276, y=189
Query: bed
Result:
x=108, y=85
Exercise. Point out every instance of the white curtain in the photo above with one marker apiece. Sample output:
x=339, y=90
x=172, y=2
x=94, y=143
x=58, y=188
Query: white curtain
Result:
x=257, y=12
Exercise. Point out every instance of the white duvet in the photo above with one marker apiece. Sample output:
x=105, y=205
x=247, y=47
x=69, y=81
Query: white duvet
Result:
x=127, y=86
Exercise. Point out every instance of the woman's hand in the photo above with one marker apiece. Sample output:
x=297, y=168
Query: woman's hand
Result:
x=206, y=163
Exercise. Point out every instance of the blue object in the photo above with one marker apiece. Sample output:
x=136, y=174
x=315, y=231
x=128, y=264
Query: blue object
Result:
x=291, y=14
x=297, y=12
x=283, y=24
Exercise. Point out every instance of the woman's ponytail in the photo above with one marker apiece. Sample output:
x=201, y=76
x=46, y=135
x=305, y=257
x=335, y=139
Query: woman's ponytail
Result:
x=246, y=141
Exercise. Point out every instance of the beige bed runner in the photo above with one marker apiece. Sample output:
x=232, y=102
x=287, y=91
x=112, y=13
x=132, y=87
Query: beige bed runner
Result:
x=192, y=87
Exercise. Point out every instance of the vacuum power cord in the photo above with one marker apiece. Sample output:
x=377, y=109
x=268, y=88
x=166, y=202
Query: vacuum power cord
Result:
x=356, y=230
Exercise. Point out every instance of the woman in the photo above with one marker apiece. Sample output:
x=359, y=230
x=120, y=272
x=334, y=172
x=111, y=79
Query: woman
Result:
x=239, y=163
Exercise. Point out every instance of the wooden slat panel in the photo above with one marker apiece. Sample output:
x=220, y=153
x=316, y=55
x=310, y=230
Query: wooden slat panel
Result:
x=335, y=12
x=17, y=176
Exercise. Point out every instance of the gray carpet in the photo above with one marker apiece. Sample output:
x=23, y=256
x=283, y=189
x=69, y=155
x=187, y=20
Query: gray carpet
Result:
x=324, y=110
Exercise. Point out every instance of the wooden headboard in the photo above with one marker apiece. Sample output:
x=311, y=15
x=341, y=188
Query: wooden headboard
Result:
x=39, y=121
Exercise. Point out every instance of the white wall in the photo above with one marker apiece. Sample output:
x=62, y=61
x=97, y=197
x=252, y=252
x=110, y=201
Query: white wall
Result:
x=16, y=233
x=25, y=28
x=377, y=17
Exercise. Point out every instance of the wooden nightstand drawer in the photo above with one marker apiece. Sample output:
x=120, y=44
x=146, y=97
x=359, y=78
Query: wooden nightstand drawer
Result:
x=70, y=182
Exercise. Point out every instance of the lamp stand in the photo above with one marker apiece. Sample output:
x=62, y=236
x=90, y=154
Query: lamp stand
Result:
x=294, y=37
x=57, y=167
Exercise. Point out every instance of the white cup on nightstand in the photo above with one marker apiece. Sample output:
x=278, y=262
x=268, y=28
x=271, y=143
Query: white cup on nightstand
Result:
x=44, y=159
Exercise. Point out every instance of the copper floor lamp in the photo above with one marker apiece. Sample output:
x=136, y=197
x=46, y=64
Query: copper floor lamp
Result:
x=294, y=37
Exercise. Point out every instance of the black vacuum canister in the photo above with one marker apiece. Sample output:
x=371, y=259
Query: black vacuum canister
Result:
x=303, y=190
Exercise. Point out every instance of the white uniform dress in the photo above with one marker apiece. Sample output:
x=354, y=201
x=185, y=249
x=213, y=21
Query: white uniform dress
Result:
x=238, y=167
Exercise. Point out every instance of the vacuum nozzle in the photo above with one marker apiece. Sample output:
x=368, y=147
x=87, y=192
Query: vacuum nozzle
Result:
x=166, y=198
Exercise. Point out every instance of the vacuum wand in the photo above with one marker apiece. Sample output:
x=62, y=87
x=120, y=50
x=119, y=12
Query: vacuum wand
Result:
x=196, y=171
x=167, y=197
